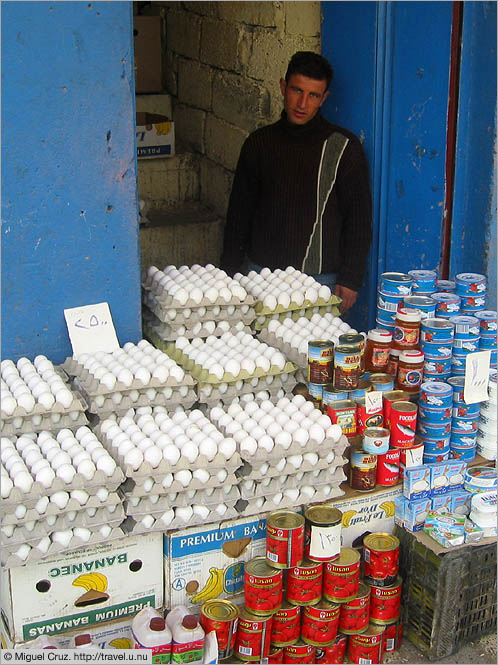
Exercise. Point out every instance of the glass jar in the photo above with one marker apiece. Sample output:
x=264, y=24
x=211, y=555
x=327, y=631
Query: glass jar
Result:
x=406, y=328
x=392, y=365
x=377, y=349
x=410, y=371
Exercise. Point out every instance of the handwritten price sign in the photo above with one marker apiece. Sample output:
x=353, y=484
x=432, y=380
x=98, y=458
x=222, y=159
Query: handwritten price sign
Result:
x=475, y=388
x=91, y=329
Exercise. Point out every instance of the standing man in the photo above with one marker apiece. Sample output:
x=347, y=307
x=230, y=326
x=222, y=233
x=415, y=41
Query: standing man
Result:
x=301, y=193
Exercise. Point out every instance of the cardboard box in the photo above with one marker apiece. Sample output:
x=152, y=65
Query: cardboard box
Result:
x=148, y=54
x=80, y=588
x=207, y=562
x=155, y=136
x=366, y=513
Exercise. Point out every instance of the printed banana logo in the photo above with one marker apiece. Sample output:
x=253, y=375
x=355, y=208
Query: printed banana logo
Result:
x=95, y=585
x=120, y=643
x=212, y=588
x=346, y=517
x=388, y=508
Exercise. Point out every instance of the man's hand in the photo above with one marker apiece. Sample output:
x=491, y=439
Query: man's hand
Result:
x=348, y=297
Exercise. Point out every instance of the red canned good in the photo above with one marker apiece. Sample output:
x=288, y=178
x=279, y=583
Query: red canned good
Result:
x=380, y=556
x=335, y=653
x=353, y=617
x=320, y=623
x=252, y=642
x=286, y=626
x=341, y=578
x=363, y=469
x=222, y=617
x=367, y=647
x=412, y=456
x=388, y=468
x=322, y=533
x=403, y=424
x=263, y=586
x=304, y=583
x=392, y=637
x=285, y=539
x=388, y=399
x=276, y=655
x=385, y=602
x=299, y=653
x=343, y=413
x=365, y=420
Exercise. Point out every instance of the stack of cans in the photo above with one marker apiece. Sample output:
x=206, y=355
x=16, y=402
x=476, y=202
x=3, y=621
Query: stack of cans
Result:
x=487, y=325
x=471, y=287
x=424, y=304
x=447, y=304
x=434, y=420
x=445, y=286
x=466, y=340
x=436, y=337
x=424, y=282
x=393, y=287
x=464, y=423
x=486, y=440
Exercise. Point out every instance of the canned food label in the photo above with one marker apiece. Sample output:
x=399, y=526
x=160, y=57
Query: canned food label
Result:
x=406, y=336
x=325, y=542
x=409, y=377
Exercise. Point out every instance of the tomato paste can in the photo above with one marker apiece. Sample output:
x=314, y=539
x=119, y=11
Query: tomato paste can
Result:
x=322, y=539
x=353, y=617
x=380, y=557
x=276, y=655
x=341, y=578
x=347, y=366
x=388, y=399
x=376, y=440
x=304, y=583
x=334, y=653
x=343, y=413
x=263, y=586
x=222, y=617
x=286, y=626
x=367, y=647
x=300, y=653
x=388, y=468
x=252, y=642
x=284, y=539
x=403, y=424
x=320, y=622
x=392, y=636
x=385, y=602
x=365, y=420
x=363, y=470
x=320, y=361
x=382, y=381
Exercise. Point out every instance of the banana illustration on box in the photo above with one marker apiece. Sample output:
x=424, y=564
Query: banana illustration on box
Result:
x=212, y=588
x=347, y=516
x=95, y=585
x=388, y=508
x=120, y=643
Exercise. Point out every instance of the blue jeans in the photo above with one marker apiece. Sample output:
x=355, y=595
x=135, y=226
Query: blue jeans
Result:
x=327, y=278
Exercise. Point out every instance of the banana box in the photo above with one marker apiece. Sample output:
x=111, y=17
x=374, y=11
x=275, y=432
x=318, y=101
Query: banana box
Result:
x=77, y=589
x=205, y=562
x=366, y=513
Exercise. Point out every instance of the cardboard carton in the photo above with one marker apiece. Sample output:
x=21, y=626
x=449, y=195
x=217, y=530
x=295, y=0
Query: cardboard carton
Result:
x=155, y=136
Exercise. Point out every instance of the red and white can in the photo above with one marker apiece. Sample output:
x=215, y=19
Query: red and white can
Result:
x=413, y=456
x=341, y=578
x=365, y=420
x=343, y=413
x=285, y=539
x=388, y=468
x=263, y=586
x=320, y=623
x=276, y=656
x=299, y=653
x=380, y=559
x=403, y=424
x=367, y=647
x=222, y=617
x=388, y=399
x=385, y=603
x=286, y=626
x=335, y=653
x=392, y=637
x=353, y=617
x=304, y=583
x=252, y=642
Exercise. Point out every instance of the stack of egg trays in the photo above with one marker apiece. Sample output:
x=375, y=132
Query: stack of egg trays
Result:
x=289, y=351
x=159, y=332
x=265, y=315
x=100, y=399
x=211, y=394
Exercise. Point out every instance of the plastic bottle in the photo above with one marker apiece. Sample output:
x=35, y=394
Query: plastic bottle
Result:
x=149, y=631
x=188, y=641
x=84, y=641
x=175, y=616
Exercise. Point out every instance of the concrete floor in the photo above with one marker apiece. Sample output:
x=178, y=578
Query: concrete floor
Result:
x=482, y=650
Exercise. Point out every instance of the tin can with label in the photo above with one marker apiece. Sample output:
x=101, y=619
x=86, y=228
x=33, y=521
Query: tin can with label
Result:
x=445, y=285
x=222, y=617
x=304, y=583
x=392, y=637
x=463, y=440
x=383, y=382
x=470, y=282
x=437, y=350
x=434, y=430
x=300, y=653
x=353, y=617
x=388, y=400
x=286, y=625
x=363, y=388
x=446, y=303
x=252, y=642
x=487, y=321
x=388, y=468
x=263, y=586
x=367, y=647
x=344, y=414
x=439, y=457
x=320, y=361
x=366, y=420
x=423, y=280
x=284, y=539
x=320, y=623
x=332, y=394
x=466, y=327
x=403, y=424
x=424, y=304
x=322, y=541
x=436, y=366
x=436, y=394
x=381, y=556
x=376, y=440
x=276, y=656
x=434, y=414
x=396, y=282
x=347, y=366
x=335, y=653
x=463, y=454
x=341, y=578
x=363, y=471
x=385, y=602
x=316, y=393
x=434, y=446
x=437, y=330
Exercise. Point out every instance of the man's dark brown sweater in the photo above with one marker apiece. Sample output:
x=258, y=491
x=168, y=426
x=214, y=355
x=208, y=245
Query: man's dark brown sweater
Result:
x=273, y=204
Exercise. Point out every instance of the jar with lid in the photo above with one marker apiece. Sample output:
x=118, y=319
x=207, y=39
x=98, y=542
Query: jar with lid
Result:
x=392, y=365
x=377, y=349
x=410, y=370
x=406, y=328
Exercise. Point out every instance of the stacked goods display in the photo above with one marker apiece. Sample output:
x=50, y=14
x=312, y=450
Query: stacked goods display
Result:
x=488, y=340
x=129, y=377
x=486, y=440
x=193, y=302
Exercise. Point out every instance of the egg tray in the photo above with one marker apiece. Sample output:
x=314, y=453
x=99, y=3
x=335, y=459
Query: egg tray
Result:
x=162, y=333
x=132, y=487
x=333, y=475
x=156, y=513
x=261, y=322
x=154, y=313
x=133, y=527
x=289, y=351
x=255, y=507
x=226, y=397
x=110, y=407
x=32, y=515
x=146, y=506
x=279, y=309
x=253, y=473
x=42, y=528
x=166, y=300
x=27, y=426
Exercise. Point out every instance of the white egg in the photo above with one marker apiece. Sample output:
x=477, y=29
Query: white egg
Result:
x=334, y=432
x=184, y=513
x=171, y=454
x=190, y=451
x=222, y=475
x=82, y=533
x=281, y=464
x=62, y=537
x=295, y=460
x=60, y=499
x=184, y=477
x=80, y=496
x=201, y=475
x=66, y=472
x=208, y=448
x=23, y=481
x=26, y=402
x=291, y=494
x=248, y=446
x=201, y=511
x=227, y=448
x=134, y=458
x=23, y=552
x=308, y=491
x=105, y=531
x=311, y=458
x=284, y=439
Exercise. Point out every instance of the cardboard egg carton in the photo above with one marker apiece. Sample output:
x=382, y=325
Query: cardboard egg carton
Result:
x=261, y=455
x=329, y=476
x=154, y=313
x=262, y=320
x=167, y=300
x=145, y=505
x=109, y=406
x=131, y=526
x=289, y=351
x=256, y=506
x=307, y=304
x=157, y=512
x=11, y=560
x=215, y=395
x=32, y=515
x=27, y=424
x=147, y=485
x=161, y=333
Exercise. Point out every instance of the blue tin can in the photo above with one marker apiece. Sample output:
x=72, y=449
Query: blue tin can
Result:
x=395, y=282
x=462, y=410
x=434, y=430
x=493, y=358
x=435, y=446
x=436, y=394
x=423, y=280
x=446, y=303
x=437, y=331
x=331, y=394
x=457, y=384
x=472, y=303
x=445, y=285
x=434, y=414
x=464, y=425
x=389, y=301
x=465, y=346
x=385, y=325
x=487, y=342
x=487, y=321
x=463, y=440
x=385, y=316
x=425, y=305
x=468, y=283
x=427, y=376
x=437, y=366
x=463, y=454
x=436, y=351
x=458, y=361
x=360, y=391
x=439, y=457
x=466, y=327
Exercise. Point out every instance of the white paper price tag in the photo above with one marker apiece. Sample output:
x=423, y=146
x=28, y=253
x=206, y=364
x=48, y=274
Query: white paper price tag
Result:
x=373, y=401
x=91, y=329
x=325, y=541
x=475, y=388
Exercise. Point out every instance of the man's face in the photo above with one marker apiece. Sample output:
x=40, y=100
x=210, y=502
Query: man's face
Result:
x=303, y=97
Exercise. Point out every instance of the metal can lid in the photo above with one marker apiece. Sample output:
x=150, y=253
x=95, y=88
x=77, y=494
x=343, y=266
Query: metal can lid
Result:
x=321, y=343
x=397, y=583
x=259, y=567
x=351, y=338
x=323, y=604
x=363, y=591
x=220, y=610
x=395, y=396
x=347, y=557
x=381, y=542
x=246, y=615
x=404, y=407
x=381, y=378
x=372, y=629
x=324, y=514
x=397, y=277
x=438, y=324
x=376, y=432
x=419, y=301
x=307, y=563
x=423, y=274
x=436, y=388
x=285, y=519
x=348, y=349
x=342, y=404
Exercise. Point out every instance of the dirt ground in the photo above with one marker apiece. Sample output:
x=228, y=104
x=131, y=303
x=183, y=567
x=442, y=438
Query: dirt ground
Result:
x=482, y=650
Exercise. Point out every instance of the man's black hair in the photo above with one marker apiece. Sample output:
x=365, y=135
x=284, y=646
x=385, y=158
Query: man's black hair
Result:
x=310, y=64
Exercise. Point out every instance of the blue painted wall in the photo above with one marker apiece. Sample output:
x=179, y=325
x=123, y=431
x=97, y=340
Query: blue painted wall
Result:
x=69, y=200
